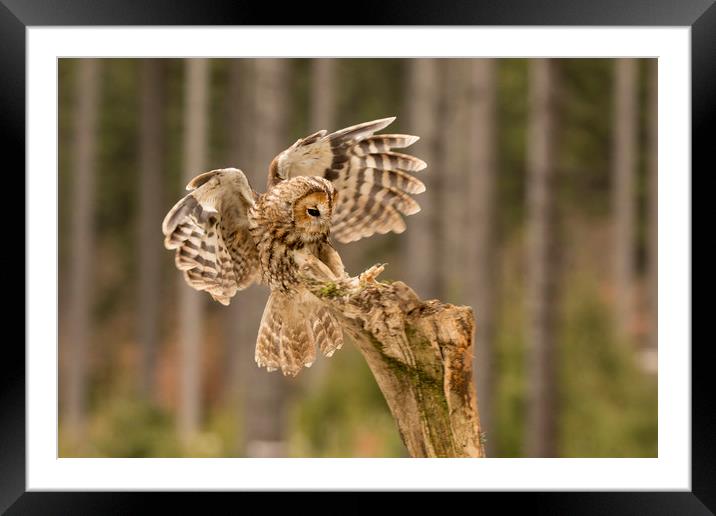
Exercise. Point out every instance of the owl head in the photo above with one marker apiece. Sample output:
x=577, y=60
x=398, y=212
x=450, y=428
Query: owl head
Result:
x=297, y=209
x=311, y=203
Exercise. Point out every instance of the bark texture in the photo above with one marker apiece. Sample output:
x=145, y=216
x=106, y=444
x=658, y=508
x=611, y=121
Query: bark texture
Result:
x=420, y=353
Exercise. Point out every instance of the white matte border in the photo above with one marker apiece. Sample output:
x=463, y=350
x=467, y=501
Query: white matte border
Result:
x=670, y=471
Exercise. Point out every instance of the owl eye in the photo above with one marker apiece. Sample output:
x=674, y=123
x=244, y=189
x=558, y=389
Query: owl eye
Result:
x=313, y=212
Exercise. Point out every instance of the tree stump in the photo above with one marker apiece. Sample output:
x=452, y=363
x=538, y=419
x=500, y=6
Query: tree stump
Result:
x=420, y=353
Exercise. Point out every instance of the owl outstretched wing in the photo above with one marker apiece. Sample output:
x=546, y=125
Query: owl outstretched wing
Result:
x=374, y=184
x=209, y=230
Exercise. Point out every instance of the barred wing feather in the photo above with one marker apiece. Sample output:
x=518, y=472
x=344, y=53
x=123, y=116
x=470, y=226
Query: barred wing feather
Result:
x=374, y=183
x=214, y=248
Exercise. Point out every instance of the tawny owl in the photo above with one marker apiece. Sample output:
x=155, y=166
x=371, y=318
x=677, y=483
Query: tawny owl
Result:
x=349, y=184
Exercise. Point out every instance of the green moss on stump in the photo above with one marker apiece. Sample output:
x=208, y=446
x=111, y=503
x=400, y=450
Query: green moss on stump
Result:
x=331, y=290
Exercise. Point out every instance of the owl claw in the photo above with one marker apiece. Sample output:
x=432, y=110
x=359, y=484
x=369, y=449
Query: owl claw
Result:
x=308, y=364
x=371, y=274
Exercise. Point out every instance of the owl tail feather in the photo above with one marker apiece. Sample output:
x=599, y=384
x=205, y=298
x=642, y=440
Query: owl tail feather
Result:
x=290, y=331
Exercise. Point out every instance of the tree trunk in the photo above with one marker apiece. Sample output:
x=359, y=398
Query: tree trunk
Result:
x=150, y=197
x=420, y=353
x=190, y=329
x=452, y=211
x=541, y=427
x=480, y=190
x=83, y=247
x=653, y=210
x=625, y=128
x=265, y=416
x=420, y=243
x=323, y=94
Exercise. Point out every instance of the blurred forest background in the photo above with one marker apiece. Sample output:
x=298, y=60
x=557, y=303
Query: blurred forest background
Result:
x=540, y=213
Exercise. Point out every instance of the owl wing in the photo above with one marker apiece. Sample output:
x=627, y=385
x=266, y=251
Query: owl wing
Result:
x=373, y=183
x=208, y=228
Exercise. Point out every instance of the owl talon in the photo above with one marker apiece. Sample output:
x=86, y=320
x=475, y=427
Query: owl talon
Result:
x=371, y=274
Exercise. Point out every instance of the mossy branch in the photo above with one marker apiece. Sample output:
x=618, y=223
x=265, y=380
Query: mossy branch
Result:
x=420, y=353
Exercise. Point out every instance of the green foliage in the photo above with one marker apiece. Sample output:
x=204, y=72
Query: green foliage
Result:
x=225, y=425
x=510, y=381
x=608, y=405
x=126, y=427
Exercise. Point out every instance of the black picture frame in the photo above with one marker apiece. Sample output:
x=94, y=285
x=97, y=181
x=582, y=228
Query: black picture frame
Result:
x=17, y=15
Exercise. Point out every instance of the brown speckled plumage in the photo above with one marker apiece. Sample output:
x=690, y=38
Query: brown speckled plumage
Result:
x=349, y=184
